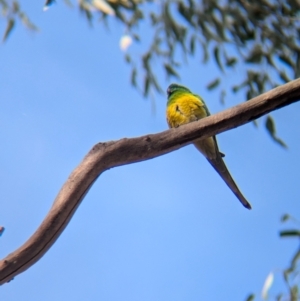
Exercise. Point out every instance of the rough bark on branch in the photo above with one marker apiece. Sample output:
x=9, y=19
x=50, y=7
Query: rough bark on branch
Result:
x=104, y=156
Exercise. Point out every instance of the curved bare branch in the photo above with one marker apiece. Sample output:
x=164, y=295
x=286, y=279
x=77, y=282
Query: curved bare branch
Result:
x=110, y=154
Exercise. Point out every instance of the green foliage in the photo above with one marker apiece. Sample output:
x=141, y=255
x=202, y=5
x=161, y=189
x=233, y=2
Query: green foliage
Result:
x=270, y=126
x=214, y=84
x=260, y=38
x=12, y=12
x=290, y=275
x=251, y=297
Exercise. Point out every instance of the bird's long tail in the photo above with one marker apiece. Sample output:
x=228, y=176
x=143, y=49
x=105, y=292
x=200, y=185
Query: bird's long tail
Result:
x=220, y=167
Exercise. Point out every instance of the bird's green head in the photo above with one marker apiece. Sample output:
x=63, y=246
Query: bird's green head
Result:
x=175, y=87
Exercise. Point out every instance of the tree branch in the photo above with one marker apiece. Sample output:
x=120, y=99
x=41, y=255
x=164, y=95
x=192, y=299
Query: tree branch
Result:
x=104, y=156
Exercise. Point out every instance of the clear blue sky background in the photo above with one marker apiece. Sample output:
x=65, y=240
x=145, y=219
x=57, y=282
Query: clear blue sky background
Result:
x=165, y=229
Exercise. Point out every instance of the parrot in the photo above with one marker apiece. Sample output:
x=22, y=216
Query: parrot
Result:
x=183, y=107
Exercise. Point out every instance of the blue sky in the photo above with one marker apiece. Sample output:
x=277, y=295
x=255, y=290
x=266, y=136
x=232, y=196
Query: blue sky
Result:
x=164, y=229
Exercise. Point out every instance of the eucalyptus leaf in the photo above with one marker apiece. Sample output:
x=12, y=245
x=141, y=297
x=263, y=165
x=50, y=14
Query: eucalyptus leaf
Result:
x=285, y=217
x=251, y=297
x=170, y=71
x=212, y=85
x=133, y=77
x=9, y=27
x=217, y=58
x=270, y=126
x=289, y=233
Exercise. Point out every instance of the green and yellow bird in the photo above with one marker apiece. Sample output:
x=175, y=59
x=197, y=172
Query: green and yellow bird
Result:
x=183, y=107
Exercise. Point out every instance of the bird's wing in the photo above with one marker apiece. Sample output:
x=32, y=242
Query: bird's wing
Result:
x=203, y=104
x=193, y=107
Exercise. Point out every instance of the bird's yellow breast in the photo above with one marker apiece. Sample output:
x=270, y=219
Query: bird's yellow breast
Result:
x=183, y=109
